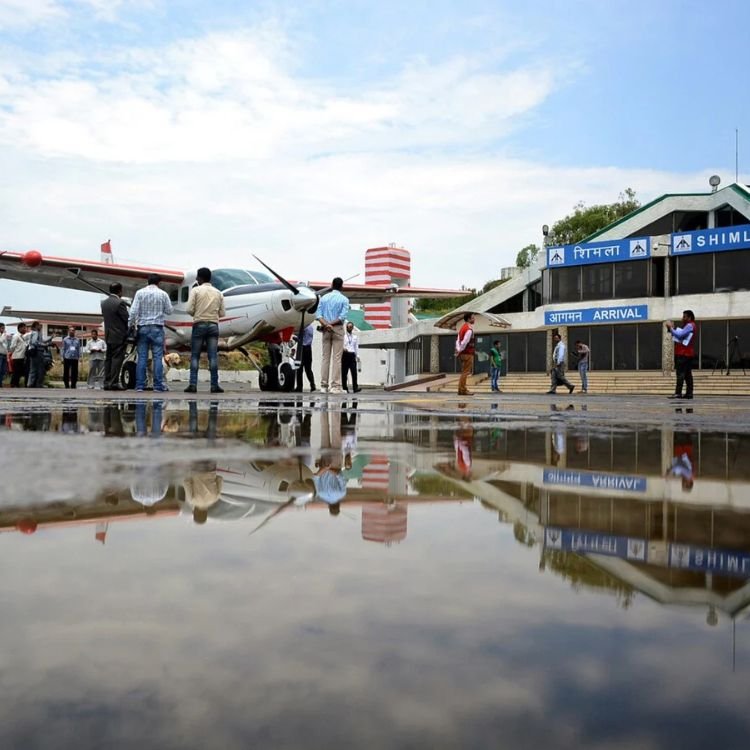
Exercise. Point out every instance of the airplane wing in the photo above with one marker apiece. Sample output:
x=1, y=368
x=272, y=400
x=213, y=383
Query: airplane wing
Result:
x=450, y=320
x=83, y=275
x=361, y=293
x=44, y=316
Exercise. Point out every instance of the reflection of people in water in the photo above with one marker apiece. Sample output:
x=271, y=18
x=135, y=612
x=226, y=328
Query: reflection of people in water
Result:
x=156, y=418
x=113, y=421
x=558, y=444
x=202, y=490
x=330, y=483
x=148, y=489
x=682, y=463
x=69, y=420
x=463, y=440
x=349, y=434
x=213, y=418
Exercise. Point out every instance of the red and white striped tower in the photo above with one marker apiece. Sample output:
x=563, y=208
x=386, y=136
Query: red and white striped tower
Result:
x=385, y=265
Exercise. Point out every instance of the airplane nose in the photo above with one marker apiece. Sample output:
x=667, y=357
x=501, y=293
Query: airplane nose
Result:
x=304, y=300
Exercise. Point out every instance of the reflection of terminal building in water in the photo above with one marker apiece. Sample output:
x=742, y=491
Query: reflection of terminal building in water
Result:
x=663, y=513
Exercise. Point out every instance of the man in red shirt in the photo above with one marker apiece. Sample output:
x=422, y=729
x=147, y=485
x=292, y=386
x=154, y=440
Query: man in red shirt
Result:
x=684, y=352
x=465, y=353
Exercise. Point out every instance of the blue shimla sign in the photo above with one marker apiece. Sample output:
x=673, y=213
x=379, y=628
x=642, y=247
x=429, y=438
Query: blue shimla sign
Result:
x=728, y=562
x=710, y=240
x=618, y=314
x=589, y=253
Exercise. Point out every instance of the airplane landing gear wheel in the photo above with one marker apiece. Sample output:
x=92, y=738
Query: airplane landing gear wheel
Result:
x=267, y=379
x=127, y=375
x=286, y=377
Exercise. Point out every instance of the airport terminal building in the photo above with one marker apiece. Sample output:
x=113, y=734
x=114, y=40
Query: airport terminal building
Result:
x=615, y=291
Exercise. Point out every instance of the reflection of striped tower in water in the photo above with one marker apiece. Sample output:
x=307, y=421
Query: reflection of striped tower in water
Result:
x=375, y=475
x=383, y=266
x=384, y=522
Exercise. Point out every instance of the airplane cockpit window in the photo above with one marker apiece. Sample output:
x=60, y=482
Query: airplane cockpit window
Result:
x=226, y=278
x=263, y=278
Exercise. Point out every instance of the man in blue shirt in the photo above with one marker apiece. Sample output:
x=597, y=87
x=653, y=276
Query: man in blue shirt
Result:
x=332, y=312
x=71, y=353
x=306, y=358
x=150, y=307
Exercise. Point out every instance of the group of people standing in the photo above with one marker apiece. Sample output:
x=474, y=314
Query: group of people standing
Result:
x=683, y=336
x=27, y=356
x=145, y=322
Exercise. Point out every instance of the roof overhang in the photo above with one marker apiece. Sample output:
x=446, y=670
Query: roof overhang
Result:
x=450, y=320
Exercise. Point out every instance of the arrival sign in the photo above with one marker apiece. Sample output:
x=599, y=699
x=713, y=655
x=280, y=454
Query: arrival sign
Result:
x=619, y=314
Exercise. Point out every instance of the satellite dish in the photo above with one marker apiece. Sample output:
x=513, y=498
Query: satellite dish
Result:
x=714, y=181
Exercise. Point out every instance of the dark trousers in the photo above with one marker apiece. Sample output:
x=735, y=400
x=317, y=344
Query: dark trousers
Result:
x=19, y=371
x=348, y=365
x=70, y=373
x=684, y=369
x=558, y=378
x=307, y=367
x=205, y=335
x=113, y=359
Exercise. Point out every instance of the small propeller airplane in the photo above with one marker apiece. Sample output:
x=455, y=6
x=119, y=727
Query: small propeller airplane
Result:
x=260, y=305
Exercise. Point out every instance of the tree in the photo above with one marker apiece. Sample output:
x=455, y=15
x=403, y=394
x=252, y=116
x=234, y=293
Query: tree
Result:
x=527, y=256
x=585, y=220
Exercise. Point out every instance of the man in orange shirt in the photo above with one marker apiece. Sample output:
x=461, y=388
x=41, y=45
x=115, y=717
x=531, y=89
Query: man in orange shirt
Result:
x=465, y=353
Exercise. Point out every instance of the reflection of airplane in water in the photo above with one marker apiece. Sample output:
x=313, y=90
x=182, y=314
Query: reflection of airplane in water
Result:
x=659, y=512
x=310, y=461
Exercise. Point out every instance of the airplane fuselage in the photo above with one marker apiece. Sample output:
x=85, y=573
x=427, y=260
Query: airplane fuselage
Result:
x=252, y=311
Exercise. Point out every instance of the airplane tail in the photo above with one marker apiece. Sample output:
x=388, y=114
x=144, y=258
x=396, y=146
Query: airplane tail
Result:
x=106, y=255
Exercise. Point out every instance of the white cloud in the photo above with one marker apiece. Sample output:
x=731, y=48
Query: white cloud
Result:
x=215, y=147
x=230, y=96
x=24, y=13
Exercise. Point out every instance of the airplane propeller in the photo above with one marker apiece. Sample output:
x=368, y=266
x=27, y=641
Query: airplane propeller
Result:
x=287, y=284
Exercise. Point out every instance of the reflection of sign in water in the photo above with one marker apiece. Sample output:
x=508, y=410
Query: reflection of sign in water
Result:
x=598, y=480
x=586, y=542
x=683, y=556
x=711, y=240
x=629, y=313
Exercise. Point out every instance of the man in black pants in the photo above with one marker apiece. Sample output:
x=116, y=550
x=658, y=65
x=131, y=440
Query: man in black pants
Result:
x=115, y=314
x=306, y=360
x=684, y=353
x=350, y=357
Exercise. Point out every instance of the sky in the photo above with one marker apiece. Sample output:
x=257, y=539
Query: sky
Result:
x=193, y=133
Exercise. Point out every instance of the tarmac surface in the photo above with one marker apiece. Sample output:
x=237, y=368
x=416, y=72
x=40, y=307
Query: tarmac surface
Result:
x=709, y=412
x=381, y=569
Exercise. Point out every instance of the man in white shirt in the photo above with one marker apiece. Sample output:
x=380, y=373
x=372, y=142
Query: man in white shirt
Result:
x=557, y=373
x=17, y=354
x=148, y=313
x=3, y=354
x=350, y=357
x=96, y=348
